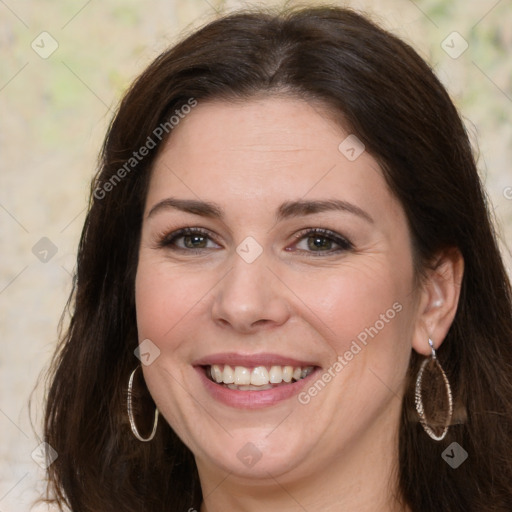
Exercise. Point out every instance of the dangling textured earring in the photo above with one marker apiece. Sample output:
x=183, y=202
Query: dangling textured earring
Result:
x=439, y=389
x=130, y=413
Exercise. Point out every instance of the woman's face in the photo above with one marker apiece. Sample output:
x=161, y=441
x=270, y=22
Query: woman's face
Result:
x=295, y=255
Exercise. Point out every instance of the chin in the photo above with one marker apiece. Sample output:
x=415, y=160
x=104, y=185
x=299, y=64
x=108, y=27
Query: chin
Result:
x=255, y=456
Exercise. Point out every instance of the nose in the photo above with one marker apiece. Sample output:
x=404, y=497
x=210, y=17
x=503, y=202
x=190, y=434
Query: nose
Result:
x=250, y=298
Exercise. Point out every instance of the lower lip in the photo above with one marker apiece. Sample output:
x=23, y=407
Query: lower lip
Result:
x=252, y=399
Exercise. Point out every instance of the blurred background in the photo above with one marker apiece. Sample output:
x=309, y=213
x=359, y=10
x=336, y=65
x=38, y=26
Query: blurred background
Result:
x=63, y=68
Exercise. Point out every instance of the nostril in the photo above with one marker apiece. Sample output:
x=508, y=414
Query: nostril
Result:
x=263, y=321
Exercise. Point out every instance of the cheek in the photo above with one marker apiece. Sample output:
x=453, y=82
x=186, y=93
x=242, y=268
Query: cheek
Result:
x=350, y=300
x=363, y=313
x=166, y=300
x=165, y=296
x=149, y=298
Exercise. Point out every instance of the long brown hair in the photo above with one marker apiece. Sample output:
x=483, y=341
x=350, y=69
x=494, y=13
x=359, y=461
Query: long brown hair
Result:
x=378, y=88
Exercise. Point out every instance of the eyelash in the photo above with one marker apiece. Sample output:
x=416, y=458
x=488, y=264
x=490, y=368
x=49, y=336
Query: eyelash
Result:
x=343, y=243
x=169, y=240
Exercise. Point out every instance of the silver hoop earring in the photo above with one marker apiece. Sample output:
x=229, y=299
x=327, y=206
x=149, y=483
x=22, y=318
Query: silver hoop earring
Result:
x=435, y=427
x=130, y=413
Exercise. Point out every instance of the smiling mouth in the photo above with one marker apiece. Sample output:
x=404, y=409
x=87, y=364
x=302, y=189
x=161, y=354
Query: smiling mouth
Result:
x=259, y=378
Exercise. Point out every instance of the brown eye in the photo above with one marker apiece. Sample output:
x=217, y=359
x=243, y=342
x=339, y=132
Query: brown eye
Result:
x=188, y=239
x=321, y=241
x=195, y=241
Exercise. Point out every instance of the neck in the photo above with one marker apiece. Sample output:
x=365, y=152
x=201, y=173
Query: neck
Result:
x=362, y=477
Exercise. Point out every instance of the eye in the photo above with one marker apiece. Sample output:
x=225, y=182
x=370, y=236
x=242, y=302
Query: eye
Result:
x=192, y=239
x=317, y=241
x=320, y=240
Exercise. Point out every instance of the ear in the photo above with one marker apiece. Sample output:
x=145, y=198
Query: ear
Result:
x=438, y=300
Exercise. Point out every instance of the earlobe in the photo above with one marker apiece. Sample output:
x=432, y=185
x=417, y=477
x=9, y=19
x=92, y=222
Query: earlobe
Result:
x=439, y=299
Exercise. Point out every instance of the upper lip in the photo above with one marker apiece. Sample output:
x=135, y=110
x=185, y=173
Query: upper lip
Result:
x=251, y=360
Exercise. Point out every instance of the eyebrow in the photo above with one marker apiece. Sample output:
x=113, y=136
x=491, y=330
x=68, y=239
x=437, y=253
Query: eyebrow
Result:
x=287, y=210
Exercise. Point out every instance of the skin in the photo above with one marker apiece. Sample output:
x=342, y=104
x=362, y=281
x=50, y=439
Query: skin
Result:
x=339, y=451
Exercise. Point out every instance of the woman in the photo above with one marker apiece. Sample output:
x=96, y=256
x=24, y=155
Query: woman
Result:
x=289, y=294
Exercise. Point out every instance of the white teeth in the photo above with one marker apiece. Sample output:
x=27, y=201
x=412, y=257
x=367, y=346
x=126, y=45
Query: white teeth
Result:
x=228, y=375
x=242, y=376
x=287, y=373
x=216, y=373
x=258, y=378
x=275, y=374
x=249, y=388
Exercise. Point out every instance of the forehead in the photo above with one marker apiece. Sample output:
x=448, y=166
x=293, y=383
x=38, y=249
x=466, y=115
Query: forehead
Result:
x=263, y=150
